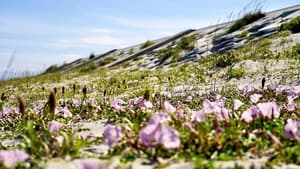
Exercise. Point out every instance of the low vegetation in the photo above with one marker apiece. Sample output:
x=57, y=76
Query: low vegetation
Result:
x=293, y=25
x=147, y=44
x=245, y=20
x=153, y=114
x=106, y=60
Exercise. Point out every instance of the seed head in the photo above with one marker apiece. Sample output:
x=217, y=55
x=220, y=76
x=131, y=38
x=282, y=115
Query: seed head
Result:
x=147, y=94
x=84, y=90
x=21, y=106
x=104, y=92
x=52, y=104
x=3, y=97
x=263, y=81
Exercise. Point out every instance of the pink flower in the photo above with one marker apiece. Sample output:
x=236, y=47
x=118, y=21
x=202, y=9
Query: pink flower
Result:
x=10, y=158
x=189, y=99
x=112, y=135
x=210, y=107
x=198, y=116
x=89, y=164
x=255, y=98
x=246, y=89
x=60, y=140
x=237, y=104
x=76, y=102
x=54, y=126
x=250, y=114
x=143, y=103
x=5, y=112
x=291, y=129
x=159, y=118
x=168, y=107
x=116, y=105
x=64, y=111
x=223, y=114
x=270, y=110
x=280, y=88
x=291, y=106
x=158, y=133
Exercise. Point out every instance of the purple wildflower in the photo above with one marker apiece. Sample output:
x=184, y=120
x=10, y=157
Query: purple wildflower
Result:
x=10, y=158
x=54, y=126
x=143, y=103
x=255, y=98
x=64, y=111
x=291, y=129
x=198, y=116
x=270, y=110
x=168, y=107
x=237, y=104
x=250, y=114
x=116, y=105
x=158, y=133
x=112, y=134
x=189, y=99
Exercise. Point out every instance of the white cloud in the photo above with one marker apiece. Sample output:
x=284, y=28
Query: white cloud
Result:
x=104, y=30
x=161, y=24
x=90, y=42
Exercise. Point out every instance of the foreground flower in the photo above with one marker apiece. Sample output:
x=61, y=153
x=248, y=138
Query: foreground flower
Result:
x=112, y=134
x=158, y=133
x=237, y=104
x=250, y=114
x=255, y=98
x=10, y=158
x=269, y=110
x=89, y=164
x=143, y=103
x=198, y=116
x=168, y=107
x=210, y=107
x=159, y=118
x=54, y=126
x=291, y=129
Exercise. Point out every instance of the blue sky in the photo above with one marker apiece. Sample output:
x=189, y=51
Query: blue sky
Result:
x=45, y=32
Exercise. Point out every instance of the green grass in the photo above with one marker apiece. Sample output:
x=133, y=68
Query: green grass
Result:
x=147, y=44
x=293, y=25
x=245, y=20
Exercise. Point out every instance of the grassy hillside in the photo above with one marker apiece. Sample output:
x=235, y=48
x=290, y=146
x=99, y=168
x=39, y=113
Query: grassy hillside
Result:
x=203, y=112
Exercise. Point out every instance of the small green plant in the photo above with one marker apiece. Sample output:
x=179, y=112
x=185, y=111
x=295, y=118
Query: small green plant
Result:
x=187, y=43
x=165, y=54
x=131, y=50
x=225, y=60
x=52, y=69
x=106, y=61
x=243, y=34
x=147, y=44
x=88, y=68
x=236, y=73
x=293, y=25
x=245, y=20
x=121, y=53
